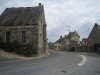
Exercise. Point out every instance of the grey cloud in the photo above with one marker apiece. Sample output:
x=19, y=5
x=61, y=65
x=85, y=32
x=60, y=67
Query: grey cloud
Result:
x=3, y=5
x=62, y=13
x=4, y=2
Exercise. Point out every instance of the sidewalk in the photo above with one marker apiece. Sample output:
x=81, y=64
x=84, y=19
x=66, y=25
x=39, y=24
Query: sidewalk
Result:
x=10, y=57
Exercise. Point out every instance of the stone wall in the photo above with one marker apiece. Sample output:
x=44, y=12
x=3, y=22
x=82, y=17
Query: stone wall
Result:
x=94, y=36
x=16, y=33
x=42, y=42
x=85, y=48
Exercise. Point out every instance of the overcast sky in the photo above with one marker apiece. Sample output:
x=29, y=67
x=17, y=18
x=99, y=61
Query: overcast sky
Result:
x=80, y=15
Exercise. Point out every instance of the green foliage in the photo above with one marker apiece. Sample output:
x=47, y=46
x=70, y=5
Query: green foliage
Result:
x=19, y=48
x=28, y=49
x=2, y=43
x=8, y=46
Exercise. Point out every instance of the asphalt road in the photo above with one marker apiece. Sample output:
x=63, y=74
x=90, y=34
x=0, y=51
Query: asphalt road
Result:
x=58, y=63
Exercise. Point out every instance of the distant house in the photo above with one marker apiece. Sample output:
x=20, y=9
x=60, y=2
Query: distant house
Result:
x=68, y=43
x=50, y=45
x=84, y=41
x=26, y=25
x=94, y=38
x=59, y=43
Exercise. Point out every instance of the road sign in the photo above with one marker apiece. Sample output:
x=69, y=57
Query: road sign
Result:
x=88, y=43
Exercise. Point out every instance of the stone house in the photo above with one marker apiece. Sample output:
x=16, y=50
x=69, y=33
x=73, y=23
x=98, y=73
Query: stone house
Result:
x=59, y=43
x=26, y=25
x=94, y=38
x=68, y=43
x=84, y=41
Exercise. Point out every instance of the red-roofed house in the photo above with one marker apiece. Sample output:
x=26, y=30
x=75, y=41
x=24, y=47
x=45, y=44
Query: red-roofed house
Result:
x=84, y=41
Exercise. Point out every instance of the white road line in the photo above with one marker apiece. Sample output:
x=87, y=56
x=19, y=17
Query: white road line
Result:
x=83, y=61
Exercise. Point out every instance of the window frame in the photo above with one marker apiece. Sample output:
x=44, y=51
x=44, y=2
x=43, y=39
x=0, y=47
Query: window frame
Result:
x=8, y=34
x=23, y=36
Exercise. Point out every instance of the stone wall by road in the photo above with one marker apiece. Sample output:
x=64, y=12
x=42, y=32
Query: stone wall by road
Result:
x=85, y=48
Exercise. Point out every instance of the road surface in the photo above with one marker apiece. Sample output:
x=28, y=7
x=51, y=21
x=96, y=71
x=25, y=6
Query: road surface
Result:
x=58, y=63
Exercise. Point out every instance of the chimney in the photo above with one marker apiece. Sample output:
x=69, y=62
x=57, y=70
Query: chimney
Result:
x=60, y=37
x=96, y=25
x=65, y=36
x=39, y=4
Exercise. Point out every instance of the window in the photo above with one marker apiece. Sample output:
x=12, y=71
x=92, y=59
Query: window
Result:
x=23, y=36
x=7, y=36
x=76, y=42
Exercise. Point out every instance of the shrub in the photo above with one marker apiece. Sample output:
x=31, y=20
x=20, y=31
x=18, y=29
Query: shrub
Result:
x=2, y=43
x=29, y=50
x=16, y=46
x=8, y=47
x=19, y=48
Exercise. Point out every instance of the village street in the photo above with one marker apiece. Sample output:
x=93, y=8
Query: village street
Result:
x=58, y=63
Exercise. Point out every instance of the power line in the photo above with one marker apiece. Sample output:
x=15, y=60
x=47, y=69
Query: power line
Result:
x=84, y=21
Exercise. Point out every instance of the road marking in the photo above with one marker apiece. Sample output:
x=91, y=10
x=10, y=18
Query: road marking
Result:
x=83, y=61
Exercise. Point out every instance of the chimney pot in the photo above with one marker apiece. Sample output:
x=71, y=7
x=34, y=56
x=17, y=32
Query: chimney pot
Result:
x=39, y=4
x=60, y=37
x=65, y=36
x=95, y=23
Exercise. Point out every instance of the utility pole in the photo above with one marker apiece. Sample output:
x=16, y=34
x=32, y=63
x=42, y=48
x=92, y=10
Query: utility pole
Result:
x=68, y=29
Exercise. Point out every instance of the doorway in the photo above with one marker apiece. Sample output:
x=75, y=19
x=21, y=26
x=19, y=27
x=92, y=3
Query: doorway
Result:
x=73, y=49
x=96, y=47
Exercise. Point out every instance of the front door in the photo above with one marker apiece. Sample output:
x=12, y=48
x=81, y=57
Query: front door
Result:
x=73, y=49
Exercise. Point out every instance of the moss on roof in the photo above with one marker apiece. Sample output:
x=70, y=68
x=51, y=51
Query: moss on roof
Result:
x=20, y=16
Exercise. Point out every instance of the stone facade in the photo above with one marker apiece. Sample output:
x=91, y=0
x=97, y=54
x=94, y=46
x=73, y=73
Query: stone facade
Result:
x=30, y=20
x=94, y=37
x=16, y=33
x=68, y=43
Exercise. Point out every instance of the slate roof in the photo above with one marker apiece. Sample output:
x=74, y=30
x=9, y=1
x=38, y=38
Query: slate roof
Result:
x=72, y=33
x=60, y=40
x=68, y=36
x=95, y=34
x=20, y=16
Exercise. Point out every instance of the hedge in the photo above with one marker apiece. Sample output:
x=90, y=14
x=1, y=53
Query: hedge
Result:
x=19, y=48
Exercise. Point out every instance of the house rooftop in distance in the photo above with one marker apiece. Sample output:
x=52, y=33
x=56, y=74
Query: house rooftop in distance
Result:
x=21, y=15
x=94, y=36
x=72, y=33
x=61, y=39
